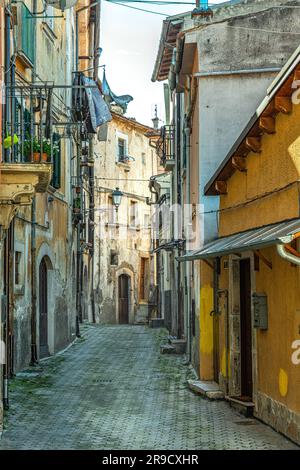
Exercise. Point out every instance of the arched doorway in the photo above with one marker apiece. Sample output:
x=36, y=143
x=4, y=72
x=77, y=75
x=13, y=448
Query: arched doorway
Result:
x=124, y=295
x=43, y=308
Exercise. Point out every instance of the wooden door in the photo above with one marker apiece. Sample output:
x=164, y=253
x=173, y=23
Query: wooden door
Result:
x=246, y=330
x=123, y=299
x=43, y=307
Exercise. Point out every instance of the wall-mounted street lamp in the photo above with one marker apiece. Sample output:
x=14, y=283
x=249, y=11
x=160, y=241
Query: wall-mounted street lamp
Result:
x=116, y=198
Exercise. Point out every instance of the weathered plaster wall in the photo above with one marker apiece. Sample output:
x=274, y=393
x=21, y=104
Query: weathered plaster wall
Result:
x=54, y=232
x=133, y=180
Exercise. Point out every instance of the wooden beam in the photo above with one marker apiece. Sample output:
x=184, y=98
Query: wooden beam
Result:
x=267, y=124
x=239, y=163
x=264, y=259
x=254, y=144
x=270, y=109
x=283, y=104
x=221, y=187
x=296, y=75
x=208, y=263
x=292, y=250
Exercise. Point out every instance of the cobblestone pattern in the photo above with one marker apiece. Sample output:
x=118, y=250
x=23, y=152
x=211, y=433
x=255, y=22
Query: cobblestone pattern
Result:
x=114, y=390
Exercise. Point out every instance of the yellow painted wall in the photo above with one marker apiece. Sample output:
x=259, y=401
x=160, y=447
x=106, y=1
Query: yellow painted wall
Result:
x=278, y=377
x=206, y=322
x=275, y=167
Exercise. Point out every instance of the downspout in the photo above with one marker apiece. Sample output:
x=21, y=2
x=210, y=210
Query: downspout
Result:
x=9, y=232
x=281, y=250
x=34, y=357
x=92, y=221
x=187, y=132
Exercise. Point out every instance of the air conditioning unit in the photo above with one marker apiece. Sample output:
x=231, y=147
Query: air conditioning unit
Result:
x=61, y=4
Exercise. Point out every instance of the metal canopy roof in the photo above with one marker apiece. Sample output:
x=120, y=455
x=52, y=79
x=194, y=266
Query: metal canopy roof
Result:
x=280, y=233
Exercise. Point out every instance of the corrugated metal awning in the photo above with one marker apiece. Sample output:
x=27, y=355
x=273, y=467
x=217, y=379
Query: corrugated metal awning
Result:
x=281, y=233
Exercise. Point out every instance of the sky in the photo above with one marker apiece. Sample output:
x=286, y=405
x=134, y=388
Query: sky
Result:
x=130, y=40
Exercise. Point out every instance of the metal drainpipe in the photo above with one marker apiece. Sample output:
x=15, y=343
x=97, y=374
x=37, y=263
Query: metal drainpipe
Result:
x=92, y=219
x=78, y=248
x=287, y=256
x=34, y=356
x=187, y=132
x=7, y=241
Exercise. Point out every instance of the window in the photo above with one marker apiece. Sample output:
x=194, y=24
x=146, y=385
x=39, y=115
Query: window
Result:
x=143, y=158
x=133, y=215
x=113, y=258
x=121, y=149
x=18, y=268
x=144, y=278
x=56, y=177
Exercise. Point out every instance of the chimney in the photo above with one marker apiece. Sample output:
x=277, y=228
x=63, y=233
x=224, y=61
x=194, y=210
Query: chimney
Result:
x=202, y=9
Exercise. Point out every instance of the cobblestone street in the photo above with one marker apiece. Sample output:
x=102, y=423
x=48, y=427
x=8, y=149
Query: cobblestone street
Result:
x=113, y=389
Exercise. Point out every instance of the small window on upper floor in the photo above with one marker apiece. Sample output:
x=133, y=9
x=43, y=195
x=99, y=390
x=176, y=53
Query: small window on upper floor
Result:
x=122, y=149
x=114, y=259
x=143, y=158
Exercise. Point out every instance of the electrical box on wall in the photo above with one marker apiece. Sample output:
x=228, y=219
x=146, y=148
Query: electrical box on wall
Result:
x=260, y=303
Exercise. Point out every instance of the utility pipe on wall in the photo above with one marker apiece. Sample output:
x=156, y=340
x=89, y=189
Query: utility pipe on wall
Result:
x=287, y=256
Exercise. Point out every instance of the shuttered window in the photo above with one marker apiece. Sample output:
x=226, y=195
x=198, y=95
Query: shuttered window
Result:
x=56, y=177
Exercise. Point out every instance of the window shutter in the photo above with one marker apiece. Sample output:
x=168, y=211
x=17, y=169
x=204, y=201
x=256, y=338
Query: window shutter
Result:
x=56, y=177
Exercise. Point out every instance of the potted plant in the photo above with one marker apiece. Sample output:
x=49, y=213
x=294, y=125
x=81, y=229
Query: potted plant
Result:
x=33, y=150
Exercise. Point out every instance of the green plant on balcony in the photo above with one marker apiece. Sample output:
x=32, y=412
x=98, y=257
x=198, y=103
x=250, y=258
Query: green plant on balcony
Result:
x=35, y=150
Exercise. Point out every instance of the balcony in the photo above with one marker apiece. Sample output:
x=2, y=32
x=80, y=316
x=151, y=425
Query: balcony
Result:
x=165, y=147
x=27, y=148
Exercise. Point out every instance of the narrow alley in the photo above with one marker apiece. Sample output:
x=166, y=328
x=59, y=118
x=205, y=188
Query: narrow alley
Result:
x=112, y=389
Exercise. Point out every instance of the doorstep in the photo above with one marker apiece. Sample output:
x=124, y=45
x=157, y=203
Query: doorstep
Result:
x=179, y=345
x=156, y=323
x=244, y=407
x=208, y=389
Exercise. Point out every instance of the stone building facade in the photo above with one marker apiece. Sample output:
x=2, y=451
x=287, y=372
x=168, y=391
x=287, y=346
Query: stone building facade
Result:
x=124, y=268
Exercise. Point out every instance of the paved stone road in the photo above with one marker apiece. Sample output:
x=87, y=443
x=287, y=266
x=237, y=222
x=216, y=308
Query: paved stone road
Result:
x=113, y=390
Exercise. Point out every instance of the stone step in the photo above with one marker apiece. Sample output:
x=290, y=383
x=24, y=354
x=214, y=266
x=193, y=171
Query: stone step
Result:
x=179, y=345
x=167, y=349
x=207, y=389
x=245, y=408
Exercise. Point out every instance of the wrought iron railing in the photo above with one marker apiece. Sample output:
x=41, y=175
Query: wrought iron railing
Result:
x=27, y=135
x=165, y=147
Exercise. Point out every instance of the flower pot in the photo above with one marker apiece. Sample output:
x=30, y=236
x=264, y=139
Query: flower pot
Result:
x=37, y=157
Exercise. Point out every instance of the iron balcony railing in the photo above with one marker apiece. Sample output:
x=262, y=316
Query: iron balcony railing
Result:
x=165, y=147
x=27, y=130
